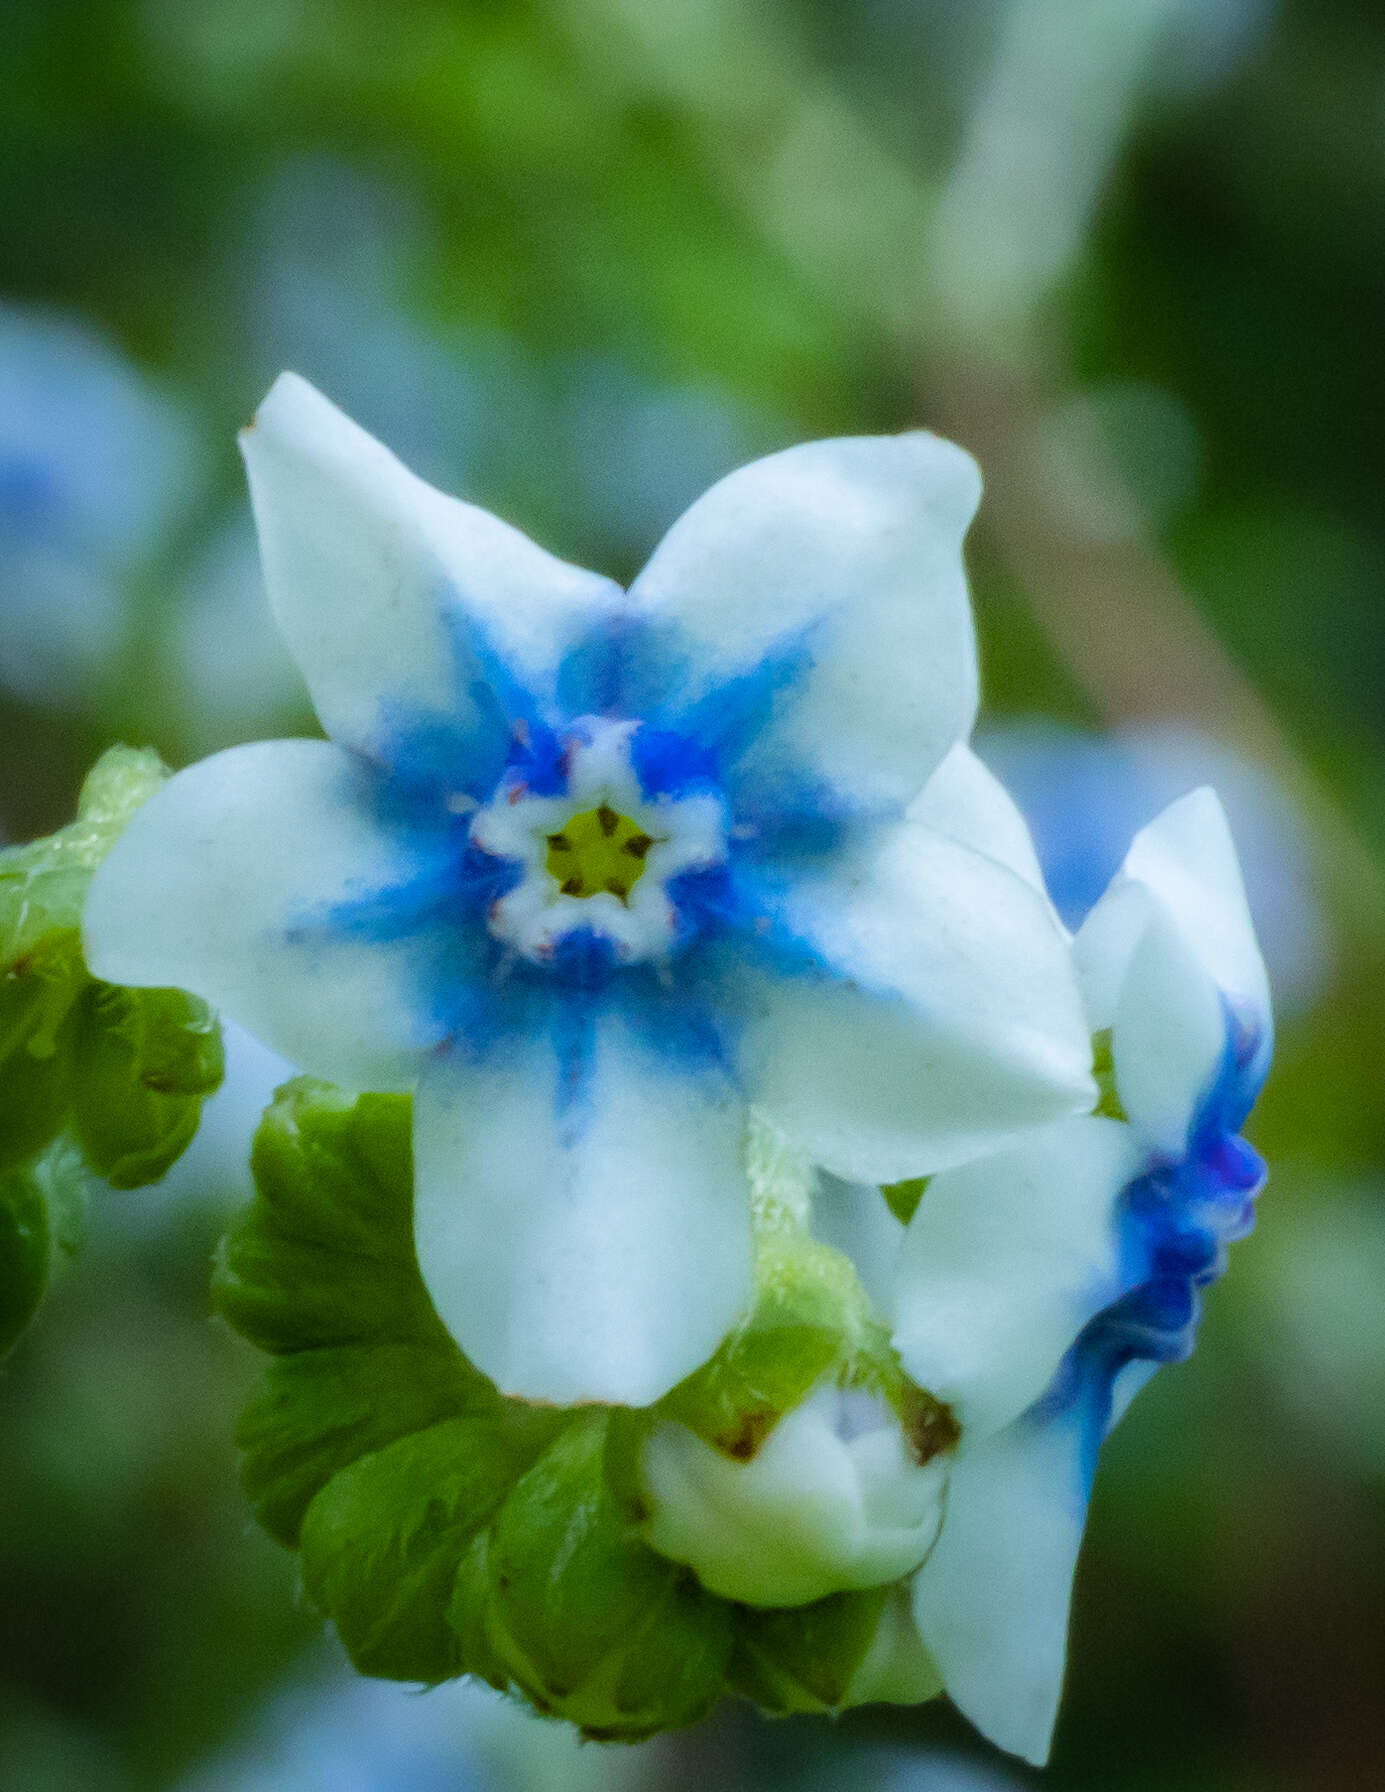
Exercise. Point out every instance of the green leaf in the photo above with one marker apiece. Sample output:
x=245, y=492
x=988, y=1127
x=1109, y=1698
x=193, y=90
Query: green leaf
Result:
x=317, y=1411
x=383, y=1541
x=590, y=1622
x=324, y=1255
x=144, y=1061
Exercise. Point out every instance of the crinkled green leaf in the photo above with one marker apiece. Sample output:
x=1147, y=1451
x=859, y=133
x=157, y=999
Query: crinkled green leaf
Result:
x=805, y=1659
x=144, y=1061
x=317, y=1411
x=469, y=1614
x=383, y=1541
x=589, y=1620
x=324, y=1255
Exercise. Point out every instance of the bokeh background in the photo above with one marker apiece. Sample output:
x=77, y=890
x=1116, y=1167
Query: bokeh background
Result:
x=575, y=259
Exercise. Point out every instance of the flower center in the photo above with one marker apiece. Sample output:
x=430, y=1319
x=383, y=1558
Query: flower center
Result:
x=598, y=849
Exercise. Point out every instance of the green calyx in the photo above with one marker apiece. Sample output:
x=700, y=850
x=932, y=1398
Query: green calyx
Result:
x=446, y=1530
x=93, y=1078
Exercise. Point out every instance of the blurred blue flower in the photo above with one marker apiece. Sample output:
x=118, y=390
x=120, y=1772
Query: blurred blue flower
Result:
x=97, y=467
x=1084, y=795
x=341, y=1733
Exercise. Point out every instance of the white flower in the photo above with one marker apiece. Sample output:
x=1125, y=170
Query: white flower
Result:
x=1039, y=1287
x=588, y=869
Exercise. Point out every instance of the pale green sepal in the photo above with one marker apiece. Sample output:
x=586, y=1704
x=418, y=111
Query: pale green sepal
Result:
x=809, y=1317
x=852, y=1649
x=897, y=1668
x=806, y=1659
x=1104, y=1071
x=902, y=1198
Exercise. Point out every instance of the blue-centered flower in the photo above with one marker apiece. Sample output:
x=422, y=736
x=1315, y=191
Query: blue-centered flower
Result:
x=590, y=870
x=1038, y=1289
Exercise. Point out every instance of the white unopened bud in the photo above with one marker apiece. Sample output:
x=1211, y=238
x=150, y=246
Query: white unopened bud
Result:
x=833, y=1501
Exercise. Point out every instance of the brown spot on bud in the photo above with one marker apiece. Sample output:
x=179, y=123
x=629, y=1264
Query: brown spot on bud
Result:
x=929, y=1426
x=744, y=1442
x=607, y=819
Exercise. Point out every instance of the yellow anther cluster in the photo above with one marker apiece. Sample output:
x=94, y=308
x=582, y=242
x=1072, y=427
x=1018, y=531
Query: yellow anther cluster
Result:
x=598, y=850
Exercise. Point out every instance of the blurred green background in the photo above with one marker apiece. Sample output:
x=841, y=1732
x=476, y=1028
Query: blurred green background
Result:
x=575, y=259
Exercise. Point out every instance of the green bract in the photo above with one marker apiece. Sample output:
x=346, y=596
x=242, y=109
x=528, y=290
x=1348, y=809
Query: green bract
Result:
x=445, y=1530
x=97, y=1077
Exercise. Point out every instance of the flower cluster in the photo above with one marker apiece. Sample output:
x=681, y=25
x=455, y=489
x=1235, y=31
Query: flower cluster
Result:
x=690, y=919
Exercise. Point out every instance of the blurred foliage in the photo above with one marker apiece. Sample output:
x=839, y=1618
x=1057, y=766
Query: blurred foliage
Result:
x=575, y=258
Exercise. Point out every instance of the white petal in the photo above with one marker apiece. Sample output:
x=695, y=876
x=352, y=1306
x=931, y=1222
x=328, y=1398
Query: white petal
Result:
x=382, y=586
x=855, y=1219
x=941, y=1018
x=847, y=552
x=966, y=801
x=1184, y=865
x=223, y=884
x=1169, y=961
x=991, y=1602
x=1004, y=1262
x=812, y=1513
x=1168, y=1038
x=583, y=1225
